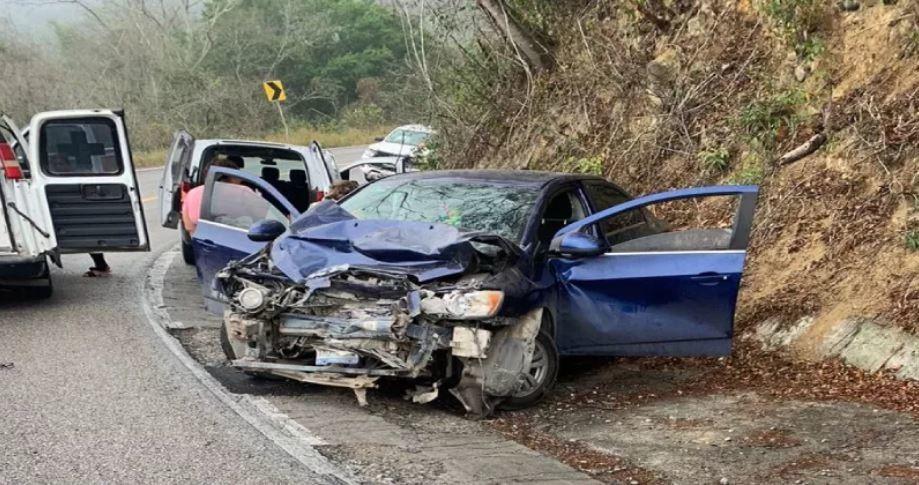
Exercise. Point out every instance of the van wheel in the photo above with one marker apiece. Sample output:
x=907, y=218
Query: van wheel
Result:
x=540, y=377
x=42, y=292
x=188, y=253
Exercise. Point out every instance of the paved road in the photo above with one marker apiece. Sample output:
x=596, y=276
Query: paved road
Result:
x=94, y=395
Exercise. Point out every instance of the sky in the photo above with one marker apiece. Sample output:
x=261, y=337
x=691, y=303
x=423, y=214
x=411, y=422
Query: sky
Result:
x=36, y=16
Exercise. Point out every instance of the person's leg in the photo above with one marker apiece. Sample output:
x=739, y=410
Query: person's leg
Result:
x=100, y=267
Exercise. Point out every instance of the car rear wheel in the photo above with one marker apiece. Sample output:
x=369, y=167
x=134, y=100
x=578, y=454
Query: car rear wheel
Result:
x=540, y=377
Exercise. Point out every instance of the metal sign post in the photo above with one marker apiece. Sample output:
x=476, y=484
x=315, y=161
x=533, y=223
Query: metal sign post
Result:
x=274, y=91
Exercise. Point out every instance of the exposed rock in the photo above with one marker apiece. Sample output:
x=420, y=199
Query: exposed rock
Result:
x=664, y=68
x=801, y=72
x=849, y=5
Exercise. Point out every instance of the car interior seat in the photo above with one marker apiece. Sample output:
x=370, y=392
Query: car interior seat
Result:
x=557, y=215
x=300, y=195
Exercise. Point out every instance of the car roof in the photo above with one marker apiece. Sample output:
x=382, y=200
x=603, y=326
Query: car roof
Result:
x=532, y=178
x=422, y=128
x=255, y=143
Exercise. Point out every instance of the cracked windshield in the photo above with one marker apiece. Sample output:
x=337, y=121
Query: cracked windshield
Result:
x=469, y=206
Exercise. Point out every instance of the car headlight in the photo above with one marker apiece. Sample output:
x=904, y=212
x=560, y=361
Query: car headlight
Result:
x=250, y=299
x=369, y=153
x=472, y=304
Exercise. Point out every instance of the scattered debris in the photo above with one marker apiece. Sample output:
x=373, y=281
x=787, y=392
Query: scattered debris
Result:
x=7, y=365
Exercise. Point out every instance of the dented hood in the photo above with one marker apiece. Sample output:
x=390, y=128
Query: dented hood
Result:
x=328, y=235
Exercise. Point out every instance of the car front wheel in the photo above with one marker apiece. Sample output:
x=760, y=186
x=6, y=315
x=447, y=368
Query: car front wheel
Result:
x=188, y=254
x=540, y=377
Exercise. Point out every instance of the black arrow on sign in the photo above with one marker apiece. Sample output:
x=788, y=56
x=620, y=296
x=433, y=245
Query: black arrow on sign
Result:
x=275, y=90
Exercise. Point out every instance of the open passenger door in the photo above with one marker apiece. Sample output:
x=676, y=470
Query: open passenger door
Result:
x=670, y=291
x=175, y=173
x=88, y=181
x=233, y=201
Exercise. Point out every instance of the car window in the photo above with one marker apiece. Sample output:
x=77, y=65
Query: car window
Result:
x=702, y=223
x=80, y=147
x=283, y=169
x=471, y=205
x=407, y=137
x=619, y=228
x=177, y=157
x=561, y=210
x=239, y=204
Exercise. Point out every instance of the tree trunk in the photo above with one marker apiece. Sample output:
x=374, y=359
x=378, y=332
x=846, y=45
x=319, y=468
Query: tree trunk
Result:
x=531, y=50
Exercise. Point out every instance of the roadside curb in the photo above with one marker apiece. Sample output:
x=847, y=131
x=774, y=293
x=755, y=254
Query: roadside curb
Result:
x=287, y=434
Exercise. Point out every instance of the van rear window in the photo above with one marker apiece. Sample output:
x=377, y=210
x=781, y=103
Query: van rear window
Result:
x=80, y=147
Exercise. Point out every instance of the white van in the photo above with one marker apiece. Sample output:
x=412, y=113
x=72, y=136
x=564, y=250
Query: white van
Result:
x=303, y=174
x=66, y=187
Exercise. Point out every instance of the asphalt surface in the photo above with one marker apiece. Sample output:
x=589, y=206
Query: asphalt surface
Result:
x=88, y=392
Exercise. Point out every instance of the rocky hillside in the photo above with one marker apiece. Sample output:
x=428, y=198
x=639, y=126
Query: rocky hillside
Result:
x=658, y=94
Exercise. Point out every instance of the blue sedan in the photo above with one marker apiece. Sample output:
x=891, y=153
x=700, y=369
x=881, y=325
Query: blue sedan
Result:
x=470, y=282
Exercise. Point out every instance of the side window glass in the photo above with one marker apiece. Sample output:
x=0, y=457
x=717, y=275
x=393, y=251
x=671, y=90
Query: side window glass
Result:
x=693, y=224
x=238, y=204
x=562, y=209
x=81, y=147
x=22, y=159
x=623, y=226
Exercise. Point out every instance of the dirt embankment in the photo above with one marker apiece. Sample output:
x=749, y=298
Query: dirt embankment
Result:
x=716, y=93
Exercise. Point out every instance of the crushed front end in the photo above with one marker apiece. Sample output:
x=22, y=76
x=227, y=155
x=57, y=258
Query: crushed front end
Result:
x=351, y=326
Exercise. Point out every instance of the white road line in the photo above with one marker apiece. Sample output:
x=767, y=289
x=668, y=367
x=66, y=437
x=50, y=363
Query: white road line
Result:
x=276, y=426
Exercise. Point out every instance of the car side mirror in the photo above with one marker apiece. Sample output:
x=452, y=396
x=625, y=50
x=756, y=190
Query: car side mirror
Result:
x=266, y=230
x=577, y=244
x=378, y=139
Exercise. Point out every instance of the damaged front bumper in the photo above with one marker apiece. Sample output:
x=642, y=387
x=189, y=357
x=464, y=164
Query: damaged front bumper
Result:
x=351, y=327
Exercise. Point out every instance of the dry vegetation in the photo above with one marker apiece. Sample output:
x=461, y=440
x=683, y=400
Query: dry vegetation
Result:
x=663, y=94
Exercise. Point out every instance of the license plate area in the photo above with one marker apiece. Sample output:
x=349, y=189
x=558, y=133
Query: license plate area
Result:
x=329, y=357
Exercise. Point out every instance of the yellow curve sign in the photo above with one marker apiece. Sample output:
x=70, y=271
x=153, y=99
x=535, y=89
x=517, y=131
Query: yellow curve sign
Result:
x=274, y=90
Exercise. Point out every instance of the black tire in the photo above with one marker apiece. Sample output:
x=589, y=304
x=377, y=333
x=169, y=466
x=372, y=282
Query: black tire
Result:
x=42, y=292
x=545, y=346
x=188, y=254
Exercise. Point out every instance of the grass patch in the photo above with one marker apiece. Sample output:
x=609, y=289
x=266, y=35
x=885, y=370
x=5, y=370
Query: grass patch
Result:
x=766, y=118
x=912, y=240
x=797, y=21
x=331, y=138
x=715, y=159
x=752, y=169
x=150, y=158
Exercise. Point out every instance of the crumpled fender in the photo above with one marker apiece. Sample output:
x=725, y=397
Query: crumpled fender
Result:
x=485, y=382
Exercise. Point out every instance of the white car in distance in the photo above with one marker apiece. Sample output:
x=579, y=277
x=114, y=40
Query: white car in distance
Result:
x=403, y=141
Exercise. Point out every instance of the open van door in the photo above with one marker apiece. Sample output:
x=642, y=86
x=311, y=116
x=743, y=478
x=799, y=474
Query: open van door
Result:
x=175, y=173
x=88, y=181
x=26, y=214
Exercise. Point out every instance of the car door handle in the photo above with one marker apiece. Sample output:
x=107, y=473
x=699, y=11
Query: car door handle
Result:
x=709, y=279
